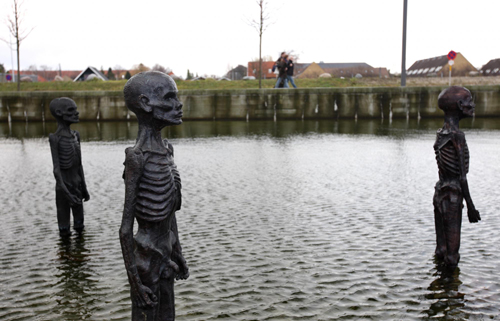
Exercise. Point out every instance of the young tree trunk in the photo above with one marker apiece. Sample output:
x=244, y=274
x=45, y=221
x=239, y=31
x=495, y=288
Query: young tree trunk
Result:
x=260, y=42
x=18, y=67
x=16, y=17
x=260, y=62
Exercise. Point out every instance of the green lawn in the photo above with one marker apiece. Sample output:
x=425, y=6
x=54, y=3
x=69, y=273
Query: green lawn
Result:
x=254, y=84
x=181, y=84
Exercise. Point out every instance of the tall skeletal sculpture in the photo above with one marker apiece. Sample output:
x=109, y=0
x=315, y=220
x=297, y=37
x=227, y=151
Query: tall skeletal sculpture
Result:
x=452, y=155
x=68, y=171
x=153, y=257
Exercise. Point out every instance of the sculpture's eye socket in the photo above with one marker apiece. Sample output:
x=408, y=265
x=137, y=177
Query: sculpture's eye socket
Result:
x=170, y=95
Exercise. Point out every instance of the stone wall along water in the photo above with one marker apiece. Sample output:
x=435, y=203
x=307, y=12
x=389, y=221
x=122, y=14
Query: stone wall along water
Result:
x=255, y=104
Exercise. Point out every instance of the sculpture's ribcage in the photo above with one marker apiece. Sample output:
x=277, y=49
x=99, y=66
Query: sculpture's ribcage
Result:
x=67, y=152
x=156, y=196
x=448, y=162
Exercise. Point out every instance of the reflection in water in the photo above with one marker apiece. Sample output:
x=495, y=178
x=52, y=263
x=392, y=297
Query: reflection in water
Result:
x=446, y=300
x=120, y=131
x=76, y=288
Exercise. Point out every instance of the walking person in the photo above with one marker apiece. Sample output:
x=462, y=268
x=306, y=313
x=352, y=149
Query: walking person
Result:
x=282, y=56
x=289, y=73
x=282, y=67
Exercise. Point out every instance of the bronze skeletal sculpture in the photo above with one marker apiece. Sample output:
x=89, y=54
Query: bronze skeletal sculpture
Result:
x=68, y=171
x=153, y=257
x=452, y=155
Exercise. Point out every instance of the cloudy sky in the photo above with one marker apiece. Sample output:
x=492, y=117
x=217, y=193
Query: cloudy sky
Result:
x=207, y=36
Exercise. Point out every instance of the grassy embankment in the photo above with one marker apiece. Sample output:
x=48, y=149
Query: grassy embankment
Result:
x=254, y=84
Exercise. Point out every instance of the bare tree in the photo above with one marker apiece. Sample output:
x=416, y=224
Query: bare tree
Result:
x=45, y=68
x=261, y=25
x=139, y=68
x=118, y=70
x=15, y=22
x=158, y=67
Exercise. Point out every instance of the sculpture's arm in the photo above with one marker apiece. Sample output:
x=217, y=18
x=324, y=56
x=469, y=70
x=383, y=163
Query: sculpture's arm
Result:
x=54, y=142
x=459, y=143
x=177, y=256
x=177, y=177
x=141, y=294
x=86, y=195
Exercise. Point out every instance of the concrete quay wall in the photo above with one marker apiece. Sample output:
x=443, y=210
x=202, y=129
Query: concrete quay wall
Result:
x=255, y=104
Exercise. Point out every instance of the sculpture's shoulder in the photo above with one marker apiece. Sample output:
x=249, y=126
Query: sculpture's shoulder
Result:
x=53, y=138
x=443, y=136
x=54, y=141
x=134, y=157
x=169, y=147
x=76, y=134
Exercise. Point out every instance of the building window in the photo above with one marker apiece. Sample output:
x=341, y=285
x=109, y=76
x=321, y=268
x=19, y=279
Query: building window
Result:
x=432, y=69
x=495, y=70
x=426, y=70
x=439, y=68
x=488, y=71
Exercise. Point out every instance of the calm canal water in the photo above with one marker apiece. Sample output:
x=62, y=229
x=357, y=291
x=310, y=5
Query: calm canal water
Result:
x=287, y=220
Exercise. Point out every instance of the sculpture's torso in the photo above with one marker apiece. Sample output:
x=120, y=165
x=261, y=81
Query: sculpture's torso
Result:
x=447, y=156
x=69, y=152
x=157, y=193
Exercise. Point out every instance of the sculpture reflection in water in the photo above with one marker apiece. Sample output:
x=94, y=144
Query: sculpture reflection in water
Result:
x=68, y=171
x=153, y=257
x=76, y=288
x=447, y=300
x=452, y=155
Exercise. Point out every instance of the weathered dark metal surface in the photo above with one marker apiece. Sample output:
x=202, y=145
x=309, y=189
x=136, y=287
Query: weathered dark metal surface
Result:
x=153, y=257
x=452, y=155
x=68, y=171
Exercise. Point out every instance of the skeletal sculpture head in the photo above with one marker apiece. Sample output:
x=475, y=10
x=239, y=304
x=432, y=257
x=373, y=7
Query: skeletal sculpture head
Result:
x=152, y=95
x=456, y=100
x=64, y=109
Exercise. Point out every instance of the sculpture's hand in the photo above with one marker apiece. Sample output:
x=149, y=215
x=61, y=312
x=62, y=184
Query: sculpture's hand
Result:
x=86, y=195
x=73, y=199
x=473, y=214
x=182, y=269
x=143, y=296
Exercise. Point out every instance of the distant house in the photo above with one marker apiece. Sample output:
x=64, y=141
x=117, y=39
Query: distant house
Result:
x=438, y=66
x=310, y=71
x=88, y=73
x=343, y=69
x=267, y=69
x=492, y=68
x=237, y=73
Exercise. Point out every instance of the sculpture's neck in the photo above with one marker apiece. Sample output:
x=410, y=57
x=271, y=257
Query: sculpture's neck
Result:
x=149, y=137
x=451, y=122
x=63, y=128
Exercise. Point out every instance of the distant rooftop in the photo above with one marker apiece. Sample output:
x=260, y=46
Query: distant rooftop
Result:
x=492, y=68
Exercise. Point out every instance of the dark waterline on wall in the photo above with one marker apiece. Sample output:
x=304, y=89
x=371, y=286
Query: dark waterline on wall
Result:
x=122, y=131
x=252, y=104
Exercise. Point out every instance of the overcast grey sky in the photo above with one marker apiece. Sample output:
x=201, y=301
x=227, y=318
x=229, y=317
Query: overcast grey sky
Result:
x=208, y=35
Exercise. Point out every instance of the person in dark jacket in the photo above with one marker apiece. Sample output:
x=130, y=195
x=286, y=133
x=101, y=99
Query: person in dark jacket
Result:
x=282, y=65
x=277, y=61
x=289, y=73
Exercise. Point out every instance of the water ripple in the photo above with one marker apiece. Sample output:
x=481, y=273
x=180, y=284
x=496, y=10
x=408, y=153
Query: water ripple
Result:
x=305, y=227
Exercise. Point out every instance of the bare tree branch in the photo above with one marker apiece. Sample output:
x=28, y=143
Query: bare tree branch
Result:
x=261, y=26
x=15, y=22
